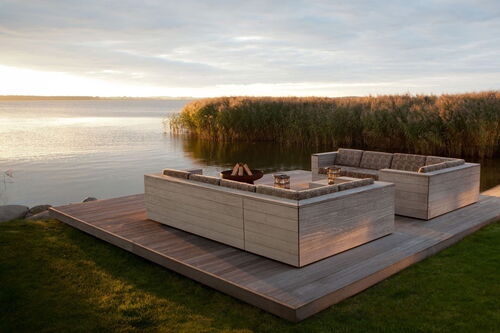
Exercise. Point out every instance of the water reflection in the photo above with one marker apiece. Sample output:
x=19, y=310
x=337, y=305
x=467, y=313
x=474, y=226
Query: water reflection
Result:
x=259, y=155
x=271, y=157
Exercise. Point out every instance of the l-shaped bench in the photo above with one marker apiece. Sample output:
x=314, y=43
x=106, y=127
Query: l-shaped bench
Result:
x=426, y=186
x=294, y=227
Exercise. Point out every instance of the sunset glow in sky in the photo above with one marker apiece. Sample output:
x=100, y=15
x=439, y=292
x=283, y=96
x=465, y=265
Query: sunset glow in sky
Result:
x=193, y=48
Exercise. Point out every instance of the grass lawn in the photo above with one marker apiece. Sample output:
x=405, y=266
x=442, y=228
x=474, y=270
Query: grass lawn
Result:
x=55, y=278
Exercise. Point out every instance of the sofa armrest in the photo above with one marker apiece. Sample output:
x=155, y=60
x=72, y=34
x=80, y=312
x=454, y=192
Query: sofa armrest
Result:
x=321, y=160
x=453, y=188
x=412, y=190
x=474, y=167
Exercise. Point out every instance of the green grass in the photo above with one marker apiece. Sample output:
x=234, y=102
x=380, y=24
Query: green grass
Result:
x=55, y=278
x=462, y=125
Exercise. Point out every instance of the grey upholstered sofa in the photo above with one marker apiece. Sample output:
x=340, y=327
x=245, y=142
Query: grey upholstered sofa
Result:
x=294, y=227
x=426, y=186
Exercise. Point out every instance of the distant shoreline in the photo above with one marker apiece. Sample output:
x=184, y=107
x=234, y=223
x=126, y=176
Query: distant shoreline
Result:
x=85, y=98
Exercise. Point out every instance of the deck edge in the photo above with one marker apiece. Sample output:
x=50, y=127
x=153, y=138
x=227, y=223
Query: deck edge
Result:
x=324, y=302
x=219, y=284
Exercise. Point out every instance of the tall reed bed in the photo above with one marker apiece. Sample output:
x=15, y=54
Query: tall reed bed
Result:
x=465, y=125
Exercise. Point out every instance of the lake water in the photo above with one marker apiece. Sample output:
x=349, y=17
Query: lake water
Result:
x=63, y=151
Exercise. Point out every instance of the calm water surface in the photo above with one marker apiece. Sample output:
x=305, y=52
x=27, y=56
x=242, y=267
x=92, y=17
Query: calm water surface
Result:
x=62, y=151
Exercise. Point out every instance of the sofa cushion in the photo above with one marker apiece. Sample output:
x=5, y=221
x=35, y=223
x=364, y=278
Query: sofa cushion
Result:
x=407, y=162
x=355, y=183
x=315, y=192
x=352, y=171
x=429, y=160
x=237, y=185
x=454, y=163
x=359, y=172
x=278, y=192
x=205, y=179
x=375, y=160
x=176, y=173
x=349, y=157
x=432, y=167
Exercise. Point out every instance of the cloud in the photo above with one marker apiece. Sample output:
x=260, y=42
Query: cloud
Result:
x=208, y=45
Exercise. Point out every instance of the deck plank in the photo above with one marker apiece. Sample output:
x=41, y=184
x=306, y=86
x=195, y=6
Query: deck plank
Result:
x=290, y=292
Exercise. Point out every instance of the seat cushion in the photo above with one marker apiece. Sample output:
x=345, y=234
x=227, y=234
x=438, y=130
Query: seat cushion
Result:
x=432, y=167
x=355, y=183
x=205, y=179
x=237, y=185
x=318, y=191
x=278, y=192
x=429, y=160
x=454, y=163
x=407, y=162
x=348, y=157
x=375, y=160
x=176, y=173
x=359, y=172
x=352, y=171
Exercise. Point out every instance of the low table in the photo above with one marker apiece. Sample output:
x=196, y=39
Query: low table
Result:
x=299, y=179
x=324, y=182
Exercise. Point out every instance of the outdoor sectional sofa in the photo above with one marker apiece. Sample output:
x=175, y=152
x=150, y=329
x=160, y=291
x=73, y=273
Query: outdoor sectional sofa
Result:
x=294, y=227
x=426, y=186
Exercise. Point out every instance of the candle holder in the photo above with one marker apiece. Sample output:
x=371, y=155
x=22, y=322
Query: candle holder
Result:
x=332, y=174
x=281, y=180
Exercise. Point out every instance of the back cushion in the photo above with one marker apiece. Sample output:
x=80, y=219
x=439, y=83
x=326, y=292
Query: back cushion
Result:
x=316, y=192
x=432, y=167
x=436, y=159
x=278, y=192
x=376, y=160
x=454, y=163
x=195, y=171
x=407, y=162
x=176, y=173
x=355, y=183
x=237, y=185
x=349, y=157
x=205, y=179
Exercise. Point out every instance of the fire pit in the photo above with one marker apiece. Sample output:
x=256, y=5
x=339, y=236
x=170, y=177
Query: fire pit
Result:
x=256, y=174
x=242, y=173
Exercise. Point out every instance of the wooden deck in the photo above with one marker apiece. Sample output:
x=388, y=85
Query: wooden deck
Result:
x=289, y=292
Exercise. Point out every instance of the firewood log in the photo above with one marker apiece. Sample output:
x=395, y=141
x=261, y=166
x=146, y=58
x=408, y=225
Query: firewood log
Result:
x=235, y=169
x=247, y=169
x=240, y=171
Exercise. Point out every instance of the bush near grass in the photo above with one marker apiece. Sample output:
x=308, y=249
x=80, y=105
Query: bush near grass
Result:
x=54, y=278
x=465, y=125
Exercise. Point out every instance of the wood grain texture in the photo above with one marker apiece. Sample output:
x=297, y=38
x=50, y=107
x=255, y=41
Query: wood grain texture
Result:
x=271, y=231
x=286, y=291
x=428, y=195
x=452, y=190
x=333, y=226
x=202, y=210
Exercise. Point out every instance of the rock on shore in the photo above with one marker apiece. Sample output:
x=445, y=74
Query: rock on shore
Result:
x=12, y=212
x=38, y=209
x=40, y=216
x=35, y=213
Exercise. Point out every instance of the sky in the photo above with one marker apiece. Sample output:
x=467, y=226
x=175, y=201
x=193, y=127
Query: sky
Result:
x=272, y=48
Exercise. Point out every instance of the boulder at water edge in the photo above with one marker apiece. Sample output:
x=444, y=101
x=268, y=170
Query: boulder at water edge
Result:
x=12, y=212
x=38, y=209
x=40, y=216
